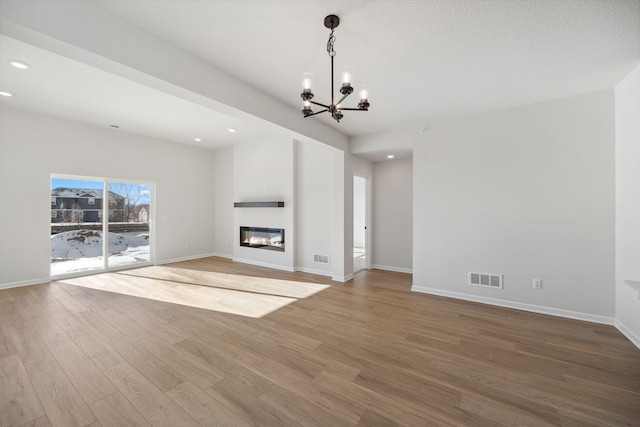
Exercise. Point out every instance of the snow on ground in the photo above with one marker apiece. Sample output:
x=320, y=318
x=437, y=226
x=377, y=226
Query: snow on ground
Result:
x=79, y=250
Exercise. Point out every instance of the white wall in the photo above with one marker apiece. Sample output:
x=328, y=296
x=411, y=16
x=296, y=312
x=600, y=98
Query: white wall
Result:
x=315, y=205
x=627, y=102
x=393, y=215
x=32, y=147
x=305, y=175
x=527, y=192
x=223, y=208
x=360, y=166
x=263, y=170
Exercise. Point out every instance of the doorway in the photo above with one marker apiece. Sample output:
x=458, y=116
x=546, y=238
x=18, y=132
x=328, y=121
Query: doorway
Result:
x=361, y=221
x=99, y=225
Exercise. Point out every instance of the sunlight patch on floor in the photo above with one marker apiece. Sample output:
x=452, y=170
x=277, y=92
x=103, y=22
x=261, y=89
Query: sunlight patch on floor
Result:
x=262, y=285
x=229, y=293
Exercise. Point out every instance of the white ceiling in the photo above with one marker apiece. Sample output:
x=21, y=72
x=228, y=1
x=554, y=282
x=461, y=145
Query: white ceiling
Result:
x=421, y=60
x=57, y=86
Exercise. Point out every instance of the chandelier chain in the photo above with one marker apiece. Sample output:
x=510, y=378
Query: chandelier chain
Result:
x=330, y=43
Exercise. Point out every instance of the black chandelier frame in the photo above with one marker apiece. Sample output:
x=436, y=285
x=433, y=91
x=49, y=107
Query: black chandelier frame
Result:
x=332, y=22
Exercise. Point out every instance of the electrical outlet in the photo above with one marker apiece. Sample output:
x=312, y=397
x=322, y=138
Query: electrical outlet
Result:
x=537, y=283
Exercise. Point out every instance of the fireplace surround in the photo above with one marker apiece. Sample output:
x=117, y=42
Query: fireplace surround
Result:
x=262, y=238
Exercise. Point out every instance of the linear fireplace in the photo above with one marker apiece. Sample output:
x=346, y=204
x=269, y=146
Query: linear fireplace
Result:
x=262, y=238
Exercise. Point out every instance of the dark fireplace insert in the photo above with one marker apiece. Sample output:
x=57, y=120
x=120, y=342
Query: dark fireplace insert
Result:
x=262, y=238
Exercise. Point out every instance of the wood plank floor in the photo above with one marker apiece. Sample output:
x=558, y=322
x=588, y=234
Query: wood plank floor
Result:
x=82, y=352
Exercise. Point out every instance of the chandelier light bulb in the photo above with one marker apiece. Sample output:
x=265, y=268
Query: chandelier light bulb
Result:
x=364, y=94
x=346, y=77
x=306, y=108
x=306, y=94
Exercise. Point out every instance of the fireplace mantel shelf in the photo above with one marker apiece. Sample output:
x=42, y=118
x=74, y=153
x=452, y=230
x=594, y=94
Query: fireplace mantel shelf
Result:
x=258, y=204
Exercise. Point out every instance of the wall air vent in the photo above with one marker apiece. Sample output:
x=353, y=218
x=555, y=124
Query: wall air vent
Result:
x=485, y=280
x=321, y=259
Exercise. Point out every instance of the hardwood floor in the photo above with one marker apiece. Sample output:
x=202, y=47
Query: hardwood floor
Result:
x=369, y=352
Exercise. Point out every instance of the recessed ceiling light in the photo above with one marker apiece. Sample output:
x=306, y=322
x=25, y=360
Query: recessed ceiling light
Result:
x=197, y=139
x=390, y=156
x=19, y=64
x=232, y=130
x=6, y=94
x=114, y=126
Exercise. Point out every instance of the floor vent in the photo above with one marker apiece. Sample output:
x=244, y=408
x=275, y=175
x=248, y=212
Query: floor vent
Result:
x=486, y=280
x=321, y=259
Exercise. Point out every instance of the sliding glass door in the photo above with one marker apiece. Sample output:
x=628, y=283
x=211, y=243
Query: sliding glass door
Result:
x=76, y=226
x=128, y=224
x=94, y=217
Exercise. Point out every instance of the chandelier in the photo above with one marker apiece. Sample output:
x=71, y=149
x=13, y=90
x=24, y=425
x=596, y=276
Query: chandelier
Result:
x=332, y=22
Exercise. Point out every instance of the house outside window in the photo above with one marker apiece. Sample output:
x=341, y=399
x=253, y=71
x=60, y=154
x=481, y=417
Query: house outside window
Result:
x=84, y=203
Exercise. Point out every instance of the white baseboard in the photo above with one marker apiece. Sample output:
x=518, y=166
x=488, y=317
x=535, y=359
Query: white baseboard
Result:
x=518, y=305
x=390, y=268
x=342, y=278
x=312, y=271
x=627, y=333
x=186, y=258
x=221, y=255
x=264, y=264
x=25, y=283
